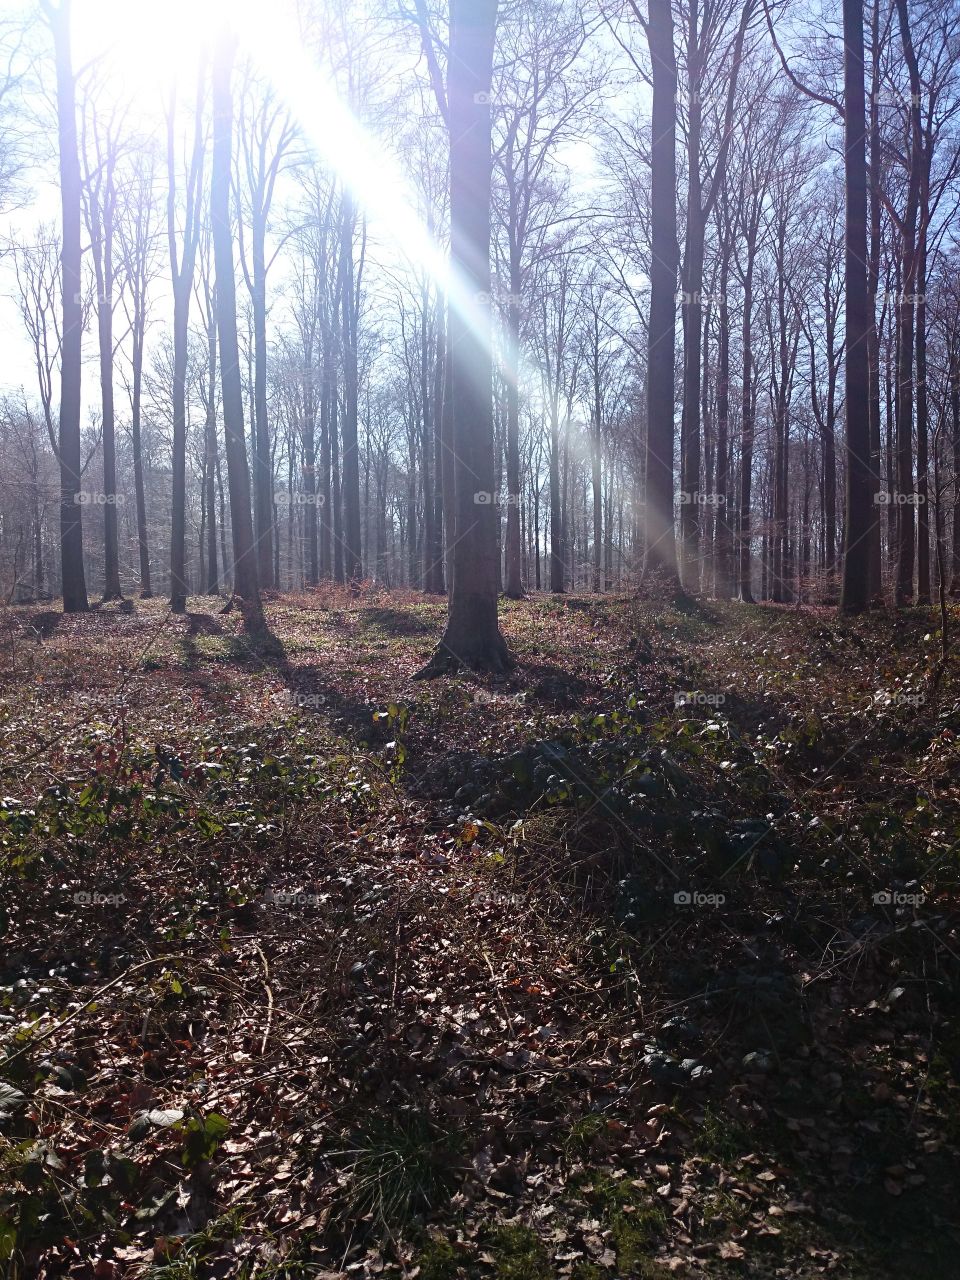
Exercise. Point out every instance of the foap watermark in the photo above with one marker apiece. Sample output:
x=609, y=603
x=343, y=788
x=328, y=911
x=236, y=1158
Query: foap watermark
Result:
x=502, y=296
x=88, y=898
x=87, y=499
x=306, y=701
x=102, y=701
x=299, y=499
x=698, y=499
x=696, y=698
x=693, y=898
x=483, y=498
x=897, y=898
x=699, y=298
x=283, y=898
x=894, y=499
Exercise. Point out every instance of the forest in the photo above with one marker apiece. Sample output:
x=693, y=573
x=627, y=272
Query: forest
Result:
x=479, y=588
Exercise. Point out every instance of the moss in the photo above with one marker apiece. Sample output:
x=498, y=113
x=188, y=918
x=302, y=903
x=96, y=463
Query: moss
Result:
x=437, y=1260
x=635, y=1223
x=519, y=1254
x=721, y=1138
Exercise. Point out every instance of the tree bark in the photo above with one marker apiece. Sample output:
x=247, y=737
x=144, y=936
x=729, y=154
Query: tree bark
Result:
x=245, y=582
x=74, y=585
x=855, y=593
x=472, y=636
x=661, y=550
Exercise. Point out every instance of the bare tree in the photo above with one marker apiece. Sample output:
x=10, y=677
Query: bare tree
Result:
x=71, y=529
x=183, y=237
x=245, y=582
x=472, y=636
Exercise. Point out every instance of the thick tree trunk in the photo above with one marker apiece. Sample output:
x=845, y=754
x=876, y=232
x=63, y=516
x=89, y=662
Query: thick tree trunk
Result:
x=723, y=584
x=955, y=415
x=905, y=497
x=352, y=558
x=136, y=395
x=210, y=453
x=923, y=510
x=556, y=511
x=661, y=551
x=873, y=344
x=245, y=583
x=181, y=273
x=101, y=209
x=262, y=468
x=744, y=525
x=71, y=530
x=472, y=636
x=859, y=498
x=513, y=587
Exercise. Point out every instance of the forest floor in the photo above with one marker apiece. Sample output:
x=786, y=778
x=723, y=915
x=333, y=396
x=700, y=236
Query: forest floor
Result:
x=641, y=962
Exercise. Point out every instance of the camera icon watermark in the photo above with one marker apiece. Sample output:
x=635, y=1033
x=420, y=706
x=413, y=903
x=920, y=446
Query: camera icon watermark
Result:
x=484, y=98
x=894, y=898
x=692, y=898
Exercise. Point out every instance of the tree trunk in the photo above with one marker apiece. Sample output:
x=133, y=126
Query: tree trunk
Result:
x=210, y=453
x=923, y=510
x=181, y=273
x=661, y=551
x=955, y=415
x=262, y=469
x=472, y=636
x=136, y=394
x=906, y=529
x=723, y=584
x=352, y=559
x=859, y=499
x=744, y=526
x=245, y=583
x=74, y=585
x=513, y=588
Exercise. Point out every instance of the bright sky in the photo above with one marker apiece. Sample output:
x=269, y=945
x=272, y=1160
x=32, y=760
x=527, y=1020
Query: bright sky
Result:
x=145, y=47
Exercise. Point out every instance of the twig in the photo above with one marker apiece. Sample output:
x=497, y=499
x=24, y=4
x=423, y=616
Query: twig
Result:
x=266, y=984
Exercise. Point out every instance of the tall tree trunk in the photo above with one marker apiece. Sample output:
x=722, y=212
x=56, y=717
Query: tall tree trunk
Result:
x=873, y=277
x=262, y=468
x=744, y=524
x=906, y=523
x=437, y=552
x=723, y=587
x=136, y=395
x=181, y=272
x=101, y=206
x=859, y=498
x=472, y=636
x=661, y=550
x=556, y=510
x=923, y=510
x=210, y=452
x=955, y=415
x=71, y=530
x=513, y=588
x=352, y=559
x=245, y=583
